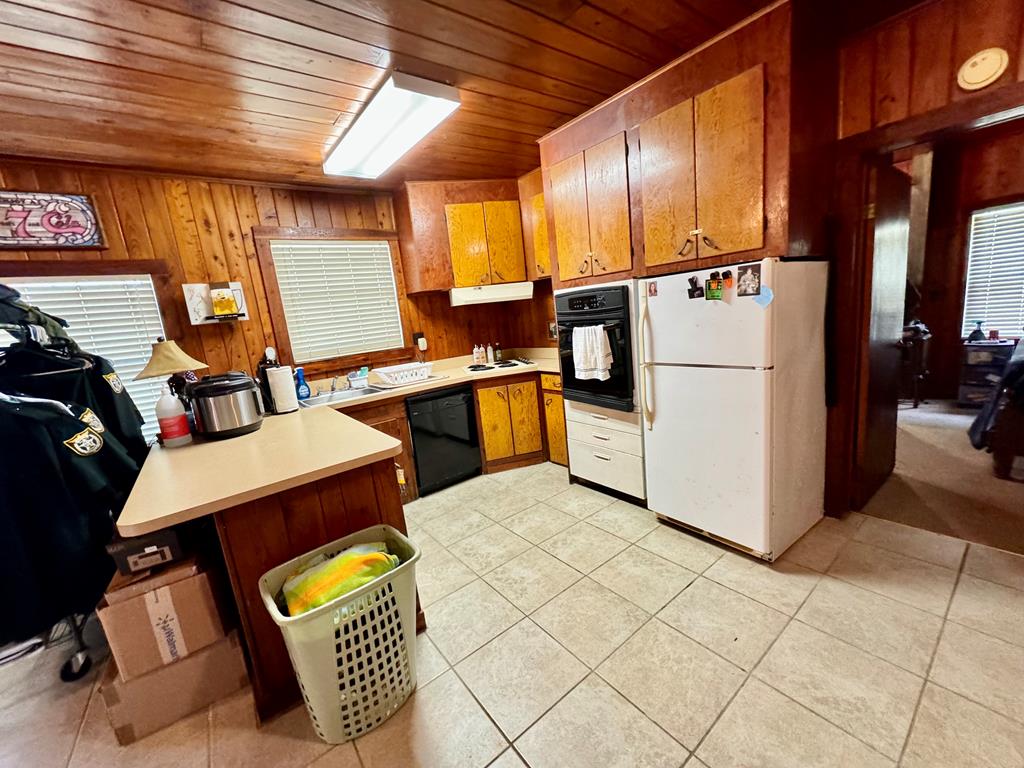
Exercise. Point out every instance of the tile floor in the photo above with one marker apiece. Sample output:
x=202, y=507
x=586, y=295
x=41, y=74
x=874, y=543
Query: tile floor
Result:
x=570, y=629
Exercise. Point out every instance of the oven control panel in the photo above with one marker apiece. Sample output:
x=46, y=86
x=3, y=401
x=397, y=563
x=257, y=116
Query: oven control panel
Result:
x=589, y=301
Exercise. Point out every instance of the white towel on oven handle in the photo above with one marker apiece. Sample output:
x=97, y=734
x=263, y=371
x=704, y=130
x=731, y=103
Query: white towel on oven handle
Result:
x=591, y=352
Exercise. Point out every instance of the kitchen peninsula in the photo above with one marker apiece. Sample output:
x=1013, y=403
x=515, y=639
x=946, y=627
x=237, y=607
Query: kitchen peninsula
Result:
x=301, y=480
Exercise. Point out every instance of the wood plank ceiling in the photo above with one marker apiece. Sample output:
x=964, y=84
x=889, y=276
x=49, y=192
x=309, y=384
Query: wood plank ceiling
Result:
x=261, y=89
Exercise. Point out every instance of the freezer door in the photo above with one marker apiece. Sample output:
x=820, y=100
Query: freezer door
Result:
x=735, y=331
x=708, y=450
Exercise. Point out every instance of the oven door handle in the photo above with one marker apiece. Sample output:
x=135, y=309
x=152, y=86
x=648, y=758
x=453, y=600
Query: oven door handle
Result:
x=607, y=326
x=648, y=415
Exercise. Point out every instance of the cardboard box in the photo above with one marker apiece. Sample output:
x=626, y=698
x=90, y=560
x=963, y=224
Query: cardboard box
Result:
x=138, y=553
x=146, y=704
x=160, y=626
x=123, y=587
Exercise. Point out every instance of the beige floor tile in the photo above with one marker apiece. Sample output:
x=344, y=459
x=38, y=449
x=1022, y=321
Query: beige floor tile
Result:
x=683, y=549
x=685, y=702
x=580, y=501
x=1004, y=568
x=508, y=759
x=591, y=621
x=625, y=520
x=952, y=732
x=897, y=632
x=846, y=525
x=428, y=544
x=439, y=574
x=695, y=762
x=441, y=726
x=817, y=548
x=519, y=675
x=545, y=484
x=595, y=726
x=236, y=742
x=584, y=547
x=907, y=579
x=988, y=607
x=763, y=728
x=487, y=549
x=457, y=524
x=985, y=669
x=730, y=624
x=429, y=661
x=341, y=756
x=782, y=586
x=185, y=744
x=643, y=578
x=504, y=504
x=470, y=492
x=913, y=542
x=424, y=508
x=538, y=522
x=865, y=696
x=464, y=620
x=531, y=579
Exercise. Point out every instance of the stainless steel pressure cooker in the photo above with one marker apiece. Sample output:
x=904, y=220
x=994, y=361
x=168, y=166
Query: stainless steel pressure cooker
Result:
x=225, y=405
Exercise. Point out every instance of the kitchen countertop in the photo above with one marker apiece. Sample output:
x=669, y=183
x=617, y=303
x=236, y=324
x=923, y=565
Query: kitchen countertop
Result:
x=454, y=373
x=180, y=484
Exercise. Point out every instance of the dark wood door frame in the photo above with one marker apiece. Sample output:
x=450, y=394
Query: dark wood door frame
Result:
x=850, y=288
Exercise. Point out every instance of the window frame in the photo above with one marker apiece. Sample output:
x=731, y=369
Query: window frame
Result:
x=262, y=237
x=967, y=226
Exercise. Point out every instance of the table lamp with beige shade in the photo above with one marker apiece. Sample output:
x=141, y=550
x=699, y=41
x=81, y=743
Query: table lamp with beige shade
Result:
x=168, y=359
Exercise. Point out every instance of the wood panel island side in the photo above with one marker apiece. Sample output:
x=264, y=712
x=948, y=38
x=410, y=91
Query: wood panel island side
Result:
x=302, y=480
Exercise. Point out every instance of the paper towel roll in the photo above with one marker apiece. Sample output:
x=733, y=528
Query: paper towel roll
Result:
x=282, y=389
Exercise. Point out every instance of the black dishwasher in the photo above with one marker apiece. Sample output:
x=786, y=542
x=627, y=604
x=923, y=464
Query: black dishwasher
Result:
x=444, y=438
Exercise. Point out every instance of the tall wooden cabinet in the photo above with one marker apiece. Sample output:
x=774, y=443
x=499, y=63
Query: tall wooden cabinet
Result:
x=590, y=211
x=702, y=173
x=535, y=225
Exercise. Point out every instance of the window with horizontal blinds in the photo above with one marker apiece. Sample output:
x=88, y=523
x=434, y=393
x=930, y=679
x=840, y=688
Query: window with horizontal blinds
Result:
x=339, y=297
x=995, y=271
x=114, y=317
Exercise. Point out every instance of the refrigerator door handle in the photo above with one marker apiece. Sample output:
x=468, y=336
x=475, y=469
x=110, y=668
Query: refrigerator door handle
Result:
x=647, y=414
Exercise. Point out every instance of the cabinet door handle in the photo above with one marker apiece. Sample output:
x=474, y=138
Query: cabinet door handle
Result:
x=517, y=393
x=547, y=401
x=583, y=267
x=598, y=263
x=602, y=457
x=606, y=438
x=499, y=275
x=500, y=394
x=710, y=243
x=687, y=247
x=540, y=270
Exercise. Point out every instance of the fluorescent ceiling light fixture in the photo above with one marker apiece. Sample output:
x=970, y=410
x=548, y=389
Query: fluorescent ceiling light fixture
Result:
x=398, y=116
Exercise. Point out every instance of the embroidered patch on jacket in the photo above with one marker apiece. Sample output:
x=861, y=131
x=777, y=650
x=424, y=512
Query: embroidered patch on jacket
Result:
x=85, y=443
x=90, y=418
x=115, y=382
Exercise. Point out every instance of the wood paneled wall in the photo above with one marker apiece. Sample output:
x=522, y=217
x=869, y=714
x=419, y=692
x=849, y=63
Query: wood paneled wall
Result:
x=203, y=230
x=981, y=170
x=908, y=65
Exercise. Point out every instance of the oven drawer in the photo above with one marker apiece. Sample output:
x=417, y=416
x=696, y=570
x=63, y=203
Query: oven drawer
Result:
x=584, y=413
x=613, y=469
x=600, y=437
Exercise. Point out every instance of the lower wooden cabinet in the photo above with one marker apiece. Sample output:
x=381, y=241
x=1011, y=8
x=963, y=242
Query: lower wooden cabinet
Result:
x=554, y=420
x=391, y=419
x=510, y=425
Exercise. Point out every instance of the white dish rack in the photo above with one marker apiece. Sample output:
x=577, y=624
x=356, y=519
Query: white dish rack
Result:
x=408, y=373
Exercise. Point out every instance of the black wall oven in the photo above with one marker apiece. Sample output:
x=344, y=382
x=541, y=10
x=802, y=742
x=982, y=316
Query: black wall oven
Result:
x=608, y=307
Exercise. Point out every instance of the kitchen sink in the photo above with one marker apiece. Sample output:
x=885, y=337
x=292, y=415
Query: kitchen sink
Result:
x=340, y=396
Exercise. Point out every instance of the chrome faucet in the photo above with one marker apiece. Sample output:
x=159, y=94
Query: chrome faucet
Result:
x=334, y=384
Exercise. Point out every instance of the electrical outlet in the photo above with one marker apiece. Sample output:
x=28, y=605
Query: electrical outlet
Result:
x=420, y=341
x=553, y=331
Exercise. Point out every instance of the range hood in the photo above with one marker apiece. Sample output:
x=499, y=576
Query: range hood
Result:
x=488, y=294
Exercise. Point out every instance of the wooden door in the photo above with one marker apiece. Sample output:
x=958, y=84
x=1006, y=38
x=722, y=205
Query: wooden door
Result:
x=554, y=420
x=608, y=206
x=495, y=423
x=525, y=414
x=729, y=151
x=569, y=210
x=467, y=242
x=539, y=229
x=876, y=433
x=505, y=241
x=668, y=186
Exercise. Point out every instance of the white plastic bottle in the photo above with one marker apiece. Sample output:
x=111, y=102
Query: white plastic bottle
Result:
x=476, y=354
x=170, y=414
x=490, y=354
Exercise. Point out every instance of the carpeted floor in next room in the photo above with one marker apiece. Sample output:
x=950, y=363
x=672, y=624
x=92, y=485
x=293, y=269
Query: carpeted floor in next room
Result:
x=941, y=483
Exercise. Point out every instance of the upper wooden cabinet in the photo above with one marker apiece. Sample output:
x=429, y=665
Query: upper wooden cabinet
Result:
x=535, y=225
x=485, y=241
x=590, y=210
x=729, y=146
x=459, y=233
x=702, y=174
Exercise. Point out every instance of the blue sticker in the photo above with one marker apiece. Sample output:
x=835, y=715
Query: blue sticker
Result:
x=764, y=298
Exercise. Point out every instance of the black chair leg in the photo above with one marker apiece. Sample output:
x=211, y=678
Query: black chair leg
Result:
x=79, y=663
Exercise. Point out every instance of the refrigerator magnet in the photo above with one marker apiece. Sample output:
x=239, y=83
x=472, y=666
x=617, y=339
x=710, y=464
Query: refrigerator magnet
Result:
x=727, y=279
x=765, y=297
x=652, y=288
x=749, y=282
x=695, y=290
x=713, y=289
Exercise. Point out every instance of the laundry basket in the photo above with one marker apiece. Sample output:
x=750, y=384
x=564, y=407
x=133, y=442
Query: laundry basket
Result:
x=355, y=657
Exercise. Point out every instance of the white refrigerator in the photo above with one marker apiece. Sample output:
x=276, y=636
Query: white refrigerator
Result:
x=732, y=394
